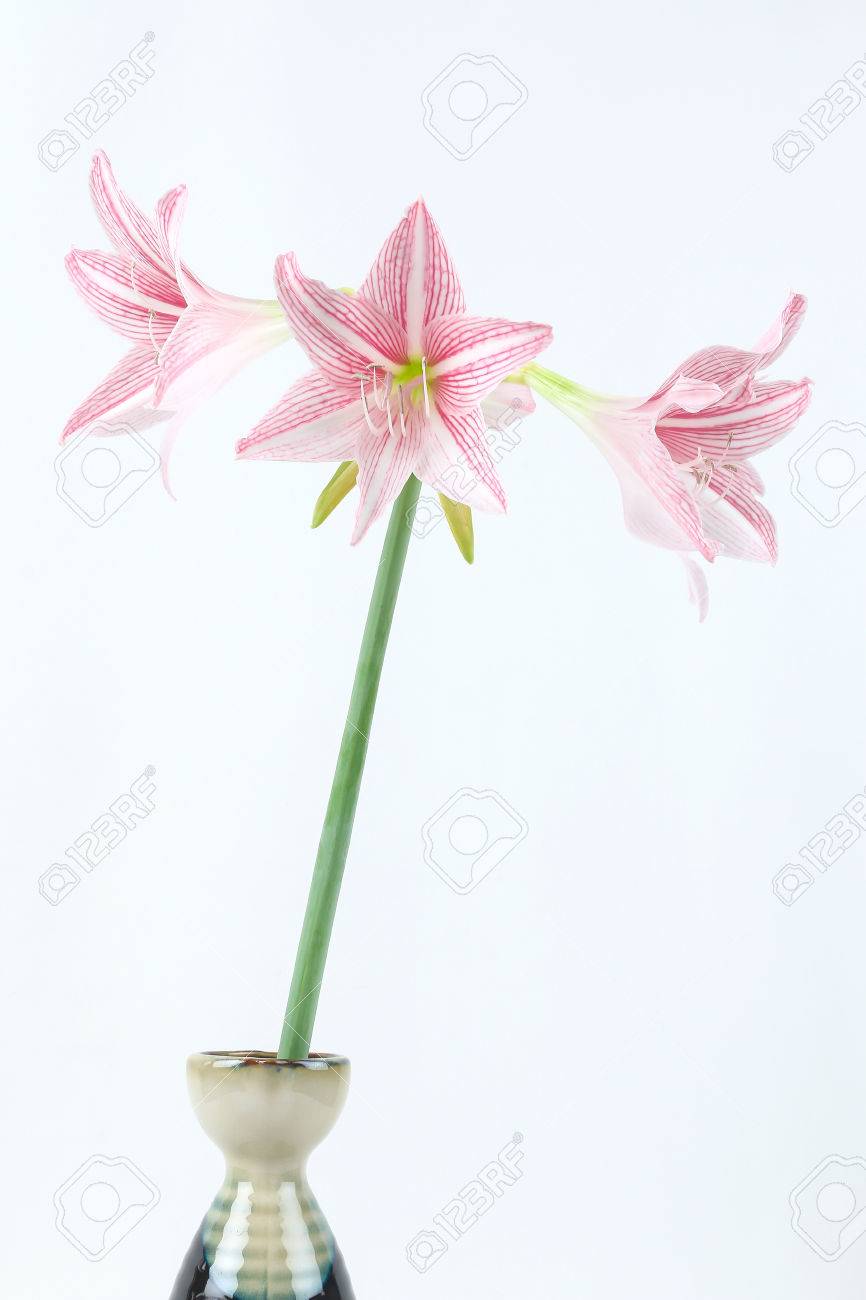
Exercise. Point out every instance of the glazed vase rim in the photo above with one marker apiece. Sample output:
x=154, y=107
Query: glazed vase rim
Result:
x=254, y=1057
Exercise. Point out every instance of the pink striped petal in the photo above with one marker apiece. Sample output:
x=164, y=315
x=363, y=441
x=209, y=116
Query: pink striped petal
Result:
x=385, y=462
x=126, y=226
x=658, y=501
x=749, y=477
x=731, y=488
x=342, y=335
x=455, y=459
x=759, y=418
x=699, y=591
x=508, y=399
x=100, y=281
x=467, y=356
x=313, y=421
x=729, y=367
x=413, y=279
x=683, y=393
x=170, y=212
x=729, y=534
x=133, y=375
x=137, y=282
x=211, y=343
x=772, y=344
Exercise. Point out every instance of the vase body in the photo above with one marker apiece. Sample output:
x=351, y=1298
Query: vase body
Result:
x=264, y=1236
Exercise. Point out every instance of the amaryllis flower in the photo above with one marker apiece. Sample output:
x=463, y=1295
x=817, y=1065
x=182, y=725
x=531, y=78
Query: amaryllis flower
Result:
x=401, y=372
x=187, y=339
x=682, y=455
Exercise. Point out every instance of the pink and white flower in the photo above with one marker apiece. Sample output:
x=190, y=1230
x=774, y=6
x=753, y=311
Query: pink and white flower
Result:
x=187, y=339
x=682, y=456
x=401, y=375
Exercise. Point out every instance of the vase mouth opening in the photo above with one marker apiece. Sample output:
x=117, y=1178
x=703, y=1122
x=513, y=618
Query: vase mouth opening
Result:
x=255, y=1058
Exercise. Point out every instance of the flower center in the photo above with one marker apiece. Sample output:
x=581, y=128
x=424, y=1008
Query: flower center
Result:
x=395, y=393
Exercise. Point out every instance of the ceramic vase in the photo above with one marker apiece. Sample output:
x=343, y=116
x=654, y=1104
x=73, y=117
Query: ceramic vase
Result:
x=264, y=1236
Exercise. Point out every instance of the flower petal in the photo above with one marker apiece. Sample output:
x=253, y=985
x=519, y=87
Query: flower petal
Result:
x=699, y=591
x=762, y=415
x=511, y=399
x=468, y=356
x=138, y=282
x=343, y=335
x=455, y=460
x=106, y=285
x=169, y=217
x=749, y=477
x=731, y=489
x=413, y=279
x=133, y=375
x=729, y=367
x=657, y=501
x=385, y=462
x=313, y=421
x=126, y=226
x=729, y=534
x=211, y=342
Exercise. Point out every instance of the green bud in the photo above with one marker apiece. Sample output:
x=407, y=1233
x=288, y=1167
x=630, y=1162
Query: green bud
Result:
x=459, y=519
x=332, y=494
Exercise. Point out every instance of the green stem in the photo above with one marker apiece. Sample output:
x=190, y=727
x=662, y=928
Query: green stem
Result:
x=337, y=830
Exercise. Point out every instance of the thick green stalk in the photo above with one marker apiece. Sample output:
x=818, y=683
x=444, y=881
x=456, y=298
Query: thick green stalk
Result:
x=340, y=815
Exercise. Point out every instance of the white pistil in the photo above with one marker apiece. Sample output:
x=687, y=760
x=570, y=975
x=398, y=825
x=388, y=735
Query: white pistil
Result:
x=424, y=385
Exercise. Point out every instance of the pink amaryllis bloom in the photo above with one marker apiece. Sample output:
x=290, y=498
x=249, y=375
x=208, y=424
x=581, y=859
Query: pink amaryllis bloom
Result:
x=682, y=456
x=187, y=338
x=401, y=373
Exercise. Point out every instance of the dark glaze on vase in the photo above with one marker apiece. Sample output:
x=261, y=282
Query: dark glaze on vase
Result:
x=265, y=1237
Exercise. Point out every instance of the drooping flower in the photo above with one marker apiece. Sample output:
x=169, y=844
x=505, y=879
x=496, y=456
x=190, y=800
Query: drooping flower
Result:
x=187, y=339
x=682, y=455
x=401, y=376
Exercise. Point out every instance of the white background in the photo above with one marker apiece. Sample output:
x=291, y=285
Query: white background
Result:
x=677, y=1047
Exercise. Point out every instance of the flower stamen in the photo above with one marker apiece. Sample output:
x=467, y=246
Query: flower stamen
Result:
x=150, y=318
x=367, y=416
